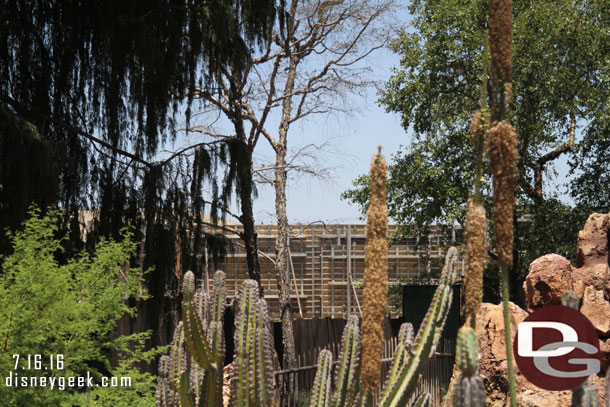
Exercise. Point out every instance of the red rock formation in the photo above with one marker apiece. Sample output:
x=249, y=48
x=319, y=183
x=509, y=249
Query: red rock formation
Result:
x=549, y=277
x=597, y=309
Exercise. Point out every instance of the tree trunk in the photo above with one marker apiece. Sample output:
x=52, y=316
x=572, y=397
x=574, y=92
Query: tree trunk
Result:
x=281, y=244
x=281, y=264
x=249, y=235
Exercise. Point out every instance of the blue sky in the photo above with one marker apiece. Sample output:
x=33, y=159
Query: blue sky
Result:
x=352, y=142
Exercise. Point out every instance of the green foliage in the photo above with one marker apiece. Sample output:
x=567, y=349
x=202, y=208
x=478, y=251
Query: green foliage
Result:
x=70, y=309
x=140, y=393
x=560, y=70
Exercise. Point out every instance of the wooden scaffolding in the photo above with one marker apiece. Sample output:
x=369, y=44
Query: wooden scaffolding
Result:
x=327, y=265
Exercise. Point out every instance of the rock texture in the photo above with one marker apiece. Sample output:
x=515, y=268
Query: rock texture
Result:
x=490, y=332
x=597, y=309
x=592, y=256
x=549, y=277
x=552, y=275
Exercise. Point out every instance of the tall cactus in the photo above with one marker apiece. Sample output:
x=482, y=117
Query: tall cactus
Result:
x=253, y=360
x=407, y=363
x=470, y=391
x=192, y=373
x=399, y=388
x=346, y=372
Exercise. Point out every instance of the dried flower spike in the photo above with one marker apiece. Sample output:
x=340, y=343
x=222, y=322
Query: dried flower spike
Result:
x=503, y=157
x=501, y=39
x=476, y=250
x=375, y=277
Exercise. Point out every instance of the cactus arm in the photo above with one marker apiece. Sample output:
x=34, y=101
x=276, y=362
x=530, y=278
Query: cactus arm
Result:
x=397, y=393
x=345, y=374
x=423, y=400
x=405, y=342
x=264, y=355
x=241, y=330
x=193, y=329
x=467, y=351
x=585, y=396
x=213, y=376
x=216, y=339
x=183, y=390
x=218, y=297
x=406, y=380
x=320, y=393
x=470, y=391
x=163, y=393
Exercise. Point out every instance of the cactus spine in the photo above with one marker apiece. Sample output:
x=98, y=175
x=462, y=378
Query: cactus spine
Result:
x=320, y=394
x=253, y=382
x=397, y=390
x=347, y=368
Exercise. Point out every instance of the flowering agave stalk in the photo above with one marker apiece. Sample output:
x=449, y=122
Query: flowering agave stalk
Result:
x=407, y=363
x=375, y=277
x=503, y=156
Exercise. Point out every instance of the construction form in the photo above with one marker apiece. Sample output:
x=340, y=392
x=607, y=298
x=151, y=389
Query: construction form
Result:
x=326, y=263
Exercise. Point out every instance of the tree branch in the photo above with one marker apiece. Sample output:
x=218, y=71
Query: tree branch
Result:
x=538, y=167
x=19, y=108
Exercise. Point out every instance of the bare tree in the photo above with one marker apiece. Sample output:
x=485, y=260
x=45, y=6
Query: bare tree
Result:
x=315, y=60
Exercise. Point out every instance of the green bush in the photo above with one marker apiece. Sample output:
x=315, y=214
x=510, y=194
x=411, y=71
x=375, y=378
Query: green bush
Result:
x=49, y=309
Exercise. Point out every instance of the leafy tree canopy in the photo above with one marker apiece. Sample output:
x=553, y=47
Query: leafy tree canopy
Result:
x=561, y=108
x=50, y=309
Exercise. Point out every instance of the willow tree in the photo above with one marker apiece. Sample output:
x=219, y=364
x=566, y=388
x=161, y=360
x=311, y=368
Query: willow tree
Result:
x=90, y=94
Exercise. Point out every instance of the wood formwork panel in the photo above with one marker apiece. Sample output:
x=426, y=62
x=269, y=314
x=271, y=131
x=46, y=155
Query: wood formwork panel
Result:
x=325, y=256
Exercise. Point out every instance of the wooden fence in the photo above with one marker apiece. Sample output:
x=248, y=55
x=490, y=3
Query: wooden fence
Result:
x=435, y=377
